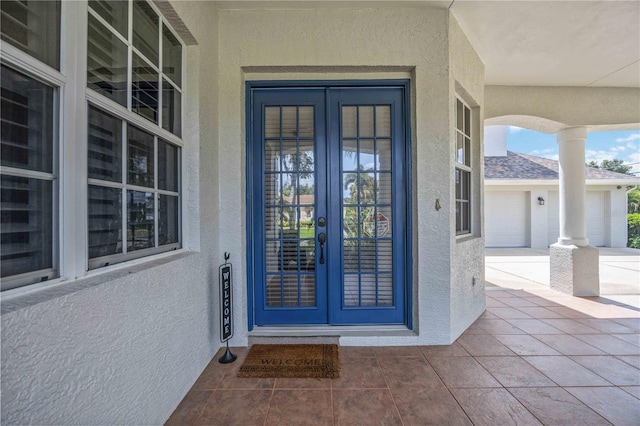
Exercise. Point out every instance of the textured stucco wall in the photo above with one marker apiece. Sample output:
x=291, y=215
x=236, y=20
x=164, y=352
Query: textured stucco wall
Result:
x=355, y=44
x=550, y=109
x=467, y=264
x=127, y=347
x=574, y=270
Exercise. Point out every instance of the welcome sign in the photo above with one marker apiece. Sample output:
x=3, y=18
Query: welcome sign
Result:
x=226, y=308
x=226, y=325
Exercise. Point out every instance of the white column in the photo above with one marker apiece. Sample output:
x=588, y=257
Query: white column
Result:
x=574, y=264
x=573, y=221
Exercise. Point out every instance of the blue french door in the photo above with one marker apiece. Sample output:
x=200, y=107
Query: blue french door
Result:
x=327, y=204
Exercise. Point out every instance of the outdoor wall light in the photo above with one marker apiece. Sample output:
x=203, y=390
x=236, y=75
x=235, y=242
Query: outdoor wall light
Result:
x=541, y=201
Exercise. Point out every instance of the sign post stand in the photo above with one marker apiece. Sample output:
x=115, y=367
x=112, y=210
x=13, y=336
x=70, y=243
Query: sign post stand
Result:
x=226, y=305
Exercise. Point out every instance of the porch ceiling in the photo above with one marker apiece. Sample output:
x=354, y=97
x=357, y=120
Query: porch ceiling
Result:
x=531, y=43
x=555, y=43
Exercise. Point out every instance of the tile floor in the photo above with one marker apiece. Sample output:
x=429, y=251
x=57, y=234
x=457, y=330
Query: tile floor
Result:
x=534, y=357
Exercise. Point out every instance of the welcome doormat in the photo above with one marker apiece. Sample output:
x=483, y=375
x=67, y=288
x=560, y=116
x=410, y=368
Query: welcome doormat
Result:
x=303, y=361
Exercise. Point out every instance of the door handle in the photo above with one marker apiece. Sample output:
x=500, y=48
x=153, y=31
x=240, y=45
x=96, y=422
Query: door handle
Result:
x=322, y=238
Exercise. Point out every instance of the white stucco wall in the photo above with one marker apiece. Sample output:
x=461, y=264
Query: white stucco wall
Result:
x=551, y=109
x=124, y=345
x=495, y=141
x=467, y=266
x=354, y=44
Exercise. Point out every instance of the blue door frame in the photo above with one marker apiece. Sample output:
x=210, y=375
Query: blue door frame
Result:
x=328, y=98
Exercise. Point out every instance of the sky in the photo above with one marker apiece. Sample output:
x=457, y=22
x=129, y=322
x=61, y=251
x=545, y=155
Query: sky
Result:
x=622, y=145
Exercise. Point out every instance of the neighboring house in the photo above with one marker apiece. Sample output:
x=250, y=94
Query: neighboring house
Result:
x=521, y=202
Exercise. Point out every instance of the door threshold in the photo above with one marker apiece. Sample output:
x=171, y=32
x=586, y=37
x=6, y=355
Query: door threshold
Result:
x=331, y=331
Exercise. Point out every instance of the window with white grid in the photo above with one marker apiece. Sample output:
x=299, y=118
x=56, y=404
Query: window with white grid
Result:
x=123, y=111
x=134, y=63
x=463, y=168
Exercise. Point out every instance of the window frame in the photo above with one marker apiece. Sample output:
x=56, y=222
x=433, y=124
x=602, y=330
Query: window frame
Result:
x=72, y=98
x=465, y=168
x=23, y=63
x=124, y=186
x=131, y=118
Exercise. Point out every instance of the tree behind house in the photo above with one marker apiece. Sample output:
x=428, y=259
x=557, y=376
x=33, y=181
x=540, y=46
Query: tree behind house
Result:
x=615, y=165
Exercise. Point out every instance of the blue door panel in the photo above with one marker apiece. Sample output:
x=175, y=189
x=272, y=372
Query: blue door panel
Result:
x=344, y=294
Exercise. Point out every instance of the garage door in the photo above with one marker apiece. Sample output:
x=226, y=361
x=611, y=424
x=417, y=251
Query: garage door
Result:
x=506, y=219
x=553, y=209
x=595, y=217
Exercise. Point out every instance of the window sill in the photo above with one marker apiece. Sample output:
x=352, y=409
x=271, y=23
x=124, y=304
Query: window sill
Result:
x=23, y=297
x=466, y=237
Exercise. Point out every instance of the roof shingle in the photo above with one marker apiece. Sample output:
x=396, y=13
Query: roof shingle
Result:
x=529, y=167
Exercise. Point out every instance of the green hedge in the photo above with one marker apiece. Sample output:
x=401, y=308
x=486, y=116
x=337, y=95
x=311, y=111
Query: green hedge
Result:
x=633, y=222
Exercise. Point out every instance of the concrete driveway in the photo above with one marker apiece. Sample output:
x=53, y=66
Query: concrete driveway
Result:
x=524, y=268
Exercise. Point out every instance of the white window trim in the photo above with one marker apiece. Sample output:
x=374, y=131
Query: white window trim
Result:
x=71, y=100
x=25, y=64
x=130, y=117
x=463, y=167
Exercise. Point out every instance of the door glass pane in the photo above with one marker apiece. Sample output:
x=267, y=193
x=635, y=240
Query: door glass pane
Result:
x=385, y=290
x=383, y=222
x=272, y=122
x=291, y=161
x=383, y=185
x=350, y=155
x=368, y=293
x=105, y=221
x=349, y=122
x=33, y=27
x=367, y=206
x=351, y=255
x=350, y=222
x=272, y=155
x=105, y=146
x=289, y=206
x=140, y=219
x=367, y=188
x=365, y=121
x=289, y=122
x=384, y=255
x=367, y=157
x=272, y=188
x=272, y=222
x=273, y=256
x=27, y=122
x=305, y=122
x=351, y=296
x=383, y=154
x=106, y=63
x=367, y=255
x=307, y=156
x=383, y=121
